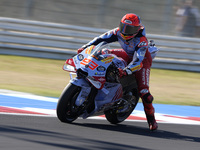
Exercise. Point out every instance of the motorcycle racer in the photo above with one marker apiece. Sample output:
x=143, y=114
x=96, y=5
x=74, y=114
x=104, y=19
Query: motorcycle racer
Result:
x=131, y=36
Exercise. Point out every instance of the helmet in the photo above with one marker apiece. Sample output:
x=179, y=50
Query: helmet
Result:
x=129, y=26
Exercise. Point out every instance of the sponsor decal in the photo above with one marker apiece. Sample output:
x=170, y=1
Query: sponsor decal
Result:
x=100, y=73
x=101, y=79
x=143, y=77
x=147, y=76
x=128, y=21
x=108, y=59
x=144, y=91
x=143, y=43
x=80, y=57
x=135, y=68
x=101, y=69
x=89, y=49
x=70, y=62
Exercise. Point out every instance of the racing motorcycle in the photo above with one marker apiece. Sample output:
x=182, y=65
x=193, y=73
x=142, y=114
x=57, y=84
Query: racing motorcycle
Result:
x=96, y=88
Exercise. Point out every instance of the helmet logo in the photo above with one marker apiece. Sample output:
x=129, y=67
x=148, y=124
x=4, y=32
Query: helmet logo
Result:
x=128, y=21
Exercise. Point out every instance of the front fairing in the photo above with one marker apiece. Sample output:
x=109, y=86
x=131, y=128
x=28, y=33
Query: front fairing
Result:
x=95, y=63
x=92, y=61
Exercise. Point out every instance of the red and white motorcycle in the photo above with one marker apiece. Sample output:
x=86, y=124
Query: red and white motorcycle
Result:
x=97, y=89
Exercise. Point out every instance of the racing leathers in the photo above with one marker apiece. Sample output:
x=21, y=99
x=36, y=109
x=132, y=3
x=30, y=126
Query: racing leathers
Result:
x=139, y=60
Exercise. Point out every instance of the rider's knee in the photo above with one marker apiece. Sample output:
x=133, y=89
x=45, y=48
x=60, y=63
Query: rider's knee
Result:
x=147, y=98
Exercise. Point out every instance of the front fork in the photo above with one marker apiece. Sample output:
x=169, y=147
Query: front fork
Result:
x=91, y=103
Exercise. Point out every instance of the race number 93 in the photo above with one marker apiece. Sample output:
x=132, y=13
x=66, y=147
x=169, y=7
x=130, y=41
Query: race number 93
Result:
x=91, y=64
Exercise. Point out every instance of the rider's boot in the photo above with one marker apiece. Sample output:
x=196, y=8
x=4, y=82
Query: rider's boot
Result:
x=149, y=111
x=151, y=121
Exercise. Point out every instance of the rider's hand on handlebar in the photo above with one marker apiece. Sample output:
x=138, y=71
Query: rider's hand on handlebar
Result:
x=122, y=72
x=80, y=50
x=125, y=72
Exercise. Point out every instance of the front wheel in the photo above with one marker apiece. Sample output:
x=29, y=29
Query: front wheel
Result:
x=67, y=111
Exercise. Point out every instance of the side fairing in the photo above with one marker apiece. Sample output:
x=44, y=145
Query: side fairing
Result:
x=115, y=93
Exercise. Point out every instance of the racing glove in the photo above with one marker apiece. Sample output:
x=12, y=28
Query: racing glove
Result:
x=80, y=50
x=124, y=72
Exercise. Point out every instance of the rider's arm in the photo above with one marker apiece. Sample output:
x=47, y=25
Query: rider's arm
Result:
x=108, y=37
x=136, y=63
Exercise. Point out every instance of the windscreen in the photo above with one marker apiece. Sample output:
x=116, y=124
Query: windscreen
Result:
x=97, y=50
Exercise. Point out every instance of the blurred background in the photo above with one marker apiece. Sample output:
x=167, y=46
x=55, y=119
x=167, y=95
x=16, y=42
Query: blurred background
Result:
x=159, y=16
x=55, y=29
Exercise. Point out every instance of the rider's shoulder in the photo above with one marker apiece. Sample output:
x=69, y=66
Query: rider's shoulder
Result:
x=112, y=31
x=115, y=30
x=142, y=41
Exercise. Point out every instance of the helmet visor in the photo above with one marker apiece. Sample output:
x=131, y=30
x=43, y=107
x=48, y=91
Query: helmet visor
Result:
x=128, y=29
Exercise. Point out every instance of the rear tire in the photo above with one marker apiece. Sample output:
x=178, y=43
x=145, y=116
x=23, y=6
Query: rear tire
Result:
x=67, y=111
x=113, y=117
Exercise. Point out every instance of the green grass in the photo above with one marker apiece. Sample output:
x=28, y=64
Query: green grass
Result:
x=46, y=77
x=33, y=75
x=175, y=87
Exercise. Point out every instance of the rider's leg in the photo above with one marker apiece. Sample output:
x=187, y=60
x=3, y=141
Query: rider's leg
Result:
x=142, y=77
x=149, y=111
x=120, y=53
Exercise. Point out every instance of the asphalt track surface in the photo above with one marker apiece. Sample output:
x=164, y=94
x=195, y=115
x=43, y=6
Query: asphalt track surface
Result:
x=22, y=132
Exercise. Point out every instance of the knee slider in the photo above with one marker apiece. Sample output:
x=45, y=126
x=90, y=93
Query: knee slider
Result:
x=147, y=98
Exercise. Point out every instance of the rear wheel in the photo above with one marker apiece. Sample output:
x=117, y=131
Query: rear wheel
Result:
x=114, y=117
x=67, y=111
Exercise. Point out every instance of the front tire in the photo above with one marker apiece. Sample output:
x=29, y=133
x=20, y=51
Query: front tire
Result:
x=67, y=111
